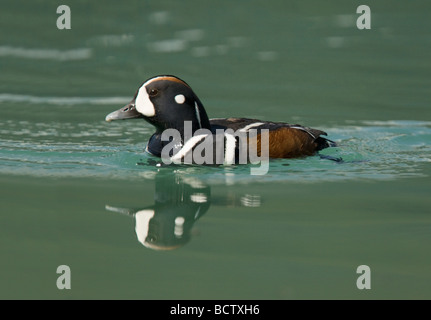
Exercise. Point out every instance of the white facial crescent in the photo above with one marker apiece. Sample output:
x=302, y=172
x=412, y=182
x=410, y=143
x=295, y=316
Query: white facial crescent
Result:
x=143, y=103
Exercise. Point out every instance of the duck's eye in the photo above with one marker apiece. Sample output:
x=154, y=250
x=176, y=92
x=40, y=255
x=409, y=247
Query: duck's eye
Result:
x=153, y=92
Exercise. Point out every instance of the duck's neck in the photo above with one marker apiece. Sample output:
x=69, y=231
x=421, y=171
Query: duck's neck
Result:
x=201, y=117
x=178, y=130
x=177, y=136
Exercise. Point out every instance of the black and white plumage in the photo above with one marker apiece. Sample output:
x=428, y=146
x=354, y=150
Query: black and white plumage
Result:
x=168, y=102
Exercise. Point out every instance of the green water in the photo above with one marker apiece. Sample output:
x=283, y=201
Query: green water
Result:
x=78, y=191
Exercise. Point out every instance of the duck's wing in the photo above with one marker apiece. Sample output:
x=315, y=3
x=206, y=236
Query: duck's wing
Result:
x=285, y=140
x=245, y=124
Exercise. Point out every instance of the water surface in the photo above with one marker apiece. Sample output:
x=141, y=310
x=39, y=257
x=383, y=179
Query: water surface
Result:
x=82, y=192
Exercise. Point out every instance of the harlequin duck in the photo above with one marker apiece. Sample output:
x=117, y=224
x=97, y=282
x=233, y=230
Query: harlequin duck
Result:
x=168, y=102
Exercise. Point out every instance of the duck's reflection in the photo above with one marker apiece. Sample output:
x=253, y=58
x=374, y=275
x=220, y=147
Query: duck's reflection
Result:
x=179, y=202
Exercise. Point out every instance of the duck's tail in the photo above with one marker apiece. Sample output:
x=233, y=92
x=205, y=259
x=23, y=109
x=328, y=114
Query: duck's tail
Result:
x=323, y=143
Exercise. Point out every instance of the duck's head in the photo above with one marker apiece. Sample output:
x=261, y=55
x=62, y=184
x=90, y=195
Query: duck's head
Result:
x=165, y=102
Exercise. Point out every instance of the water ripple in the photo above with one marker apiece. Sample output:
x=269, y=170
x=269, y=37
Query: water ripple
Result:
x=371, y=150
x=8, y=97
x=48, y=54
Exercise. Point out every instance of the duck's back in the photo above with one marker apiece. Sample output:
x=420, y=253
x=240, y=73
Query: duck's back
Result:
x=285, y=140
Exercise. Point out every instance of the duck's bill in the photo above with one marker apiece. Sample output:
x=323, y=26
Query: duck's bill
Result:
x=127, y=112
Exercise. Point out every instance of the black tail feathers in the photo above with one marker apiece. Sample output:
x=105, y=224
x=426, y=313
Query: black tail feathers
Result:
x=323, y=143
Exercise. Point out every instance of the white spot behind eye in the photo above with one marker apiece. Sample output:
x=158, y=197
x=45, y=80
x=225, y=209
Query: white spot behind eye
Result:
x=180, y=99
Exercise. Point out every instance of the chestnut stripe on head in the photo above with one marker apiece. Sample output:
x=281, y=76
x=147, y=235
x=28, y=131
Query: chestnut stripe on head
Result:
x=168, y=78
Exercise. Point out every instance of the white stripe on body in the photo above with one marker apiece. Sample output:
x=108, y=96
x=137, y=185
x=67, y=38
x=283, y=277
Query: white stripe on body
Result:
x=188, y=146
x=229, y=152
x=248, y=127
